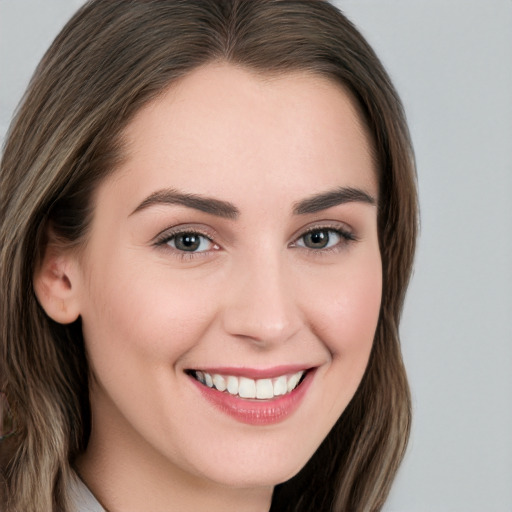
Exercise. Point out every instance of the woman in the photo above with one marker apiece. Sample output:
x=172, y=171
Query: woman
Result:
x=208, y=221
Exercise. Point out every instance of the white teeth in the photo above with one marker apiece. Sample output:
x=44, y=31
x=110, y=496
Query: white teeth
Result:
x=280, y=386
x=246, y=388
x=219, y=382
x=263, y=389
x=293, y=381
x=233, y=385
x=208, y=380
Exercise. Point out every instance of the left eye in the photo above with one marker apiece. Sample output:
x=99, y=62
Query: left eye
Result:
x=320, y=239
x=190, y=242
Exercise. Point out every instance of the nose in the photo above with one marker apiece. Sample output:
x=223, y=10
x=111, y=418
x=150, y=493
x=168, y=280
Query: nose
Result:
x=260, y=305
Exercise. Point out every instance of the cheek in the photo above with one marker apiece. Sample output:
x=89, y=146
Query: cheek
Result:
x=147, y=317
x=137, y=327
x=347, y=309
x=347, y=318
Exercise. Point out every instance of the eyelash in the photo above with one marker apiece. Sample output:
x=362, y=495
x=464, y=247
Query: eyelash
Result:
x=164, y=239
x=346, y=237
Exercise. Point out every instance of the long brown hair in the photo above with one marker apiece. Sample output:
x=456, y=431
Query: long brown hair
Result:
x=113, y=57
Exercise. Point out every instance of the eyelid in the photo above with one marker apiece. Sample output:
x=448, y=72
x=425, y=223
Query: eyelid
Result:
x=338, y=226
x=346, y=234
x=184, y=228
x=161, y=242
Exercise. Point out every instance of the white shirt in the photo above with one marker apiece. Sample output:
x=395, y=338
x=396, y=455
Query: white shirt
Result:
x=83, y=499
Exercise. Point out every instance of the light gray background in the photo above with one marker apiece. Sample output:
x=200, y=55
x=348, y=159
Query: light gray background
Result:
x=452, y=63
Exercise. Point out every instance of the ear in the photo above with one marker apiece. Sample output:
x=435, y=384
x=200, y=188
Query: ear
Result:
x=56, y=283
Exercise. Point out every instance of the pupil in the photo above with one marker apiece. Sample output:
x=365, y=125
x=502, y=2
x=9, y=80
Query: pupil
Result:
x=187, y=242
x=317, y=239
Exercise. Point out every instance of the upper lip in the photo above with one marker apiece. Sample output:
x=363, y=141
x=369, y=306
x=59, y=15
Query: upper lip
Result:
x=254, y=373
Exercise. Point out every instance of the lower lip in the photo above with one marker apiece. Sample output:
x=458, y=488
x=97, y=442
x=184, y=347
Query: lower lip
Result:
x=257, y=412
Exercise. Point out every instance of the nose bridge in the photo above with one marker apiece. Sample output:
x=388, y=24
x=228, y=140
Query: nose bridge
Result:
x=261, y=304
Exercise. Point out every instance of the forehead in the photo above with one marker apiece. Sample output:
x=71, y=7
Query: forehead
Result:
x=223, y=124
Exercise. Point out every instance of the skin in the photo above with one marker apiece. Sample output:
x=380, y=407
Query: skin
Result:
x=256, y=297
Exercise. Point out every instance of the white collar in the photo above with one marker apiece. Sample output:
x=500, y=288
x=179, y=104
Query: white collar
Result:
x=83, y=499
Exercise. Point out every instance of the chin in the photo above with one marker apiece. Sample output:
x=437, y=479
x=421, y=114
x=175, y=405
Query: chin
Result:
x=254, y=477
x=259, y=465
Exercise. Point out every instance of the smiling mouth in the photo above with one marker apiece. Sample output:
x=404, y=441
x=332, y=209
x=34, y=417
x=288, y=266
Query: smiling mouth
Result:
x=247, y=388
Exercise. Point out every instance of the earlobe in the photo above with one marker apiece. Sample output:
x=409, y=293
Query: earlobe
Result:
x=56, y=286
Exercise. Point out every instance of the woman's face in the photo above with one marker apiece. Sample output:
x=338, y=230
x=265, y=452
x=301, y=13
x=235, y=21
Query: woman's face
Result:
x=237, y=243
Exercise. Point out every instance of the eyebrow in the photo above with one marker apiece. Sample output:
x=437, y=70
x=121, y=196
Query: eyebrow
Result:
x=325, y=200
x=209, y=205
x=228, y=210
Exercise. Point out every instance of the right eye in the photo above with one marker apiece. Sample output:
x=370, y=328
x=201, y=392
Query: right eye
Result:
x=189, y=241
